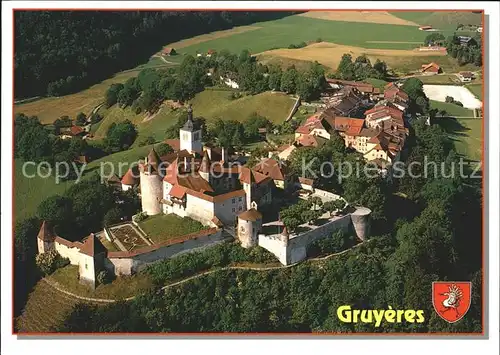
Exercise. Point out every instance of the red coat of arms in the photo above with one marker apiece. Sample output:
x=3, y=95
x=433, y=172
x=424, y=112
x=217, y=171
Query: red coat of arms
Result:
x=451, y=300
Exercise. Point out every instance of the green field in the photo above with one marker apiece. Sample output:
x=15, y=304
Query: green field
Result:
x=295, y=29
x=476, y=89
x=466, y=135
x=161, y=228
x=451, y=109
x=443, y=20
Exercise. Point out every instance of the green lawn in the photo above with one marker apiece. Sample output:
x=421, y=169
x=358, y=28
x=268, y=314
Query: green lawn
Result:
x=213, y=104
x=451, y=109
x=440, y=79
x=161, y=228
x=476, y=89
x=466, y=135
x=29, y=192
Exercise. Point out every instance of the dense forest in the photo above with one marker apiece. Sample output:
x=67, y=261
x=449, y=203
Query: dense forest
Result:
x=432, y=233
x=60, y=52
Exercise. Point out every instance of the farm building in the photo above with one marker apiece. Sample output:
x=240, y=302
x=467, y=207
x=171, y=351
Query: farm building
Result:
x=465, y=76
x=431, y=68
x=169, y=51
x=425, y=28
x=467, y=41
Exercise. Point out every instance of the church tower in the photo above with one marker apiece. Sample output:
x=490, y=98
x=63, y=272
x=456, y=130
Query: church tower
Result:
x=190, y=134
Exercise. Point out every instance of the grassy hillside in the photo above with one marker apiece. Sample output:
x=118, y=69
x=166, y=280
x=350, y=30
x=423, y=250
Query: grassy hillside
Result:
x=213, y=104
x=45, y=310
x=446, y=20
x=451, y=109
x=466, y=135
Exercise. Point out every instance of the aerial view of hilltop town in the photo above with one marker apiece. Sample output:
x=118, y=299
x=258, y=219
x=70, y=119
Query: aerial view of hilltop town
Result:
x=248, y=172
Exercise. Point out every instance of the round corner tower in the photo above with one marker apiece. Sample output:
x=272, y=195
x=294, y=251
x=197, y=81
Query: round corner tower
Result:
x=361, y=220
x=249, y=226
x=151, y=185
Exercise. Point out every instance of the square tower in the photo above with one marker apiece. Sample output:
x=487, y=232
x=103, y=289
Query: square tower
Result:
x=190, y=134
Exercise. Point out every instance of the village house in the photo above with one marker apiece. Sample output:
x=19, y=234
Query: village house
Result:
x=430, y=69
x=465, y=76
x=467, y=41
x=73, y=131
x=276, y=170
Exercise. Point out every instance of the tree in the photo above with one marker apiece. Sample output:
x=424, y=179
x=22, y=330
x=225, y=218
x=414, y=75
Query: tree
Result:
x=275, y=75
x=345, y=68
x=434, y=38
x=113, y=216
x=56, y=210
x=120, y=136
x=50, y=261
x=163, y=149
x=315, y=202
x=252, y=125
x=147, y=141
x=111, y=96
x=311, y=216
x=289, y=80
x=81, y=119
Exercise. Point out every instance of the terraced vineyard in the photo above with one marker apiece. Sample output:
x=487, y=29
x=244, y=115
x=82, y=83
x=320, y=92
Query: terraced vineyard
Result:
x=45, y=309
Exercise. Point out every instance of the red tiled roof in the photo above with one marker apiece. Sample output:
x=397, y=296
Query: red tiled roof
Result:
x=351, y=126
x=92, y=246
x=306, y=181
x=250, y=215
x=309, y=140
x=130, y=178
x=194, y=183
x=177, y=191
x=174, y=143
x=270, y=167
x=248, y=176
x=76, y=130
x=432, y=67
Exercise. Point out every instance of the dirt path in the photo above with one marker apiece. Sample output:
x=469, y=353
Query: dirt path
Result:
x=202, y=274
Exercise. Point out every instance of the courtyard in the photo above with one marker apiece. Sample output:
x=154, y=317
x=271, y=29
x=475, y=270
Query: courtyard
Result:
x=161, y=228
x=127, y=237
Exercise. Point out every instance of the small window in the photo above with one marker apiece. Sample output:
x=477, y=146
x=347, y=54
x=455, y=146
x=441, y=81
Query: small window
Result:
x=86, y=267
x=240, y=208
x=240, y=199
x=234, y=200
x=234, y=210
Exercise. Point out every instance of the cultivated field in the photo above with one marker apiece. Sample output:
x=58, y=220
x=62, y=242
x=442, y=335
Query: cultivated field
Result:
x=295, y=29
x=51, y=108
x=382, y=17
x=439, y=79
x=459, y=93
x=330, y=54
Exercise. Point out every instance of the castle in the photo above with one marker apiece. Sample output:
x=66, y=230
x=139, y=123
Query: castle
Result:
x=201, y=182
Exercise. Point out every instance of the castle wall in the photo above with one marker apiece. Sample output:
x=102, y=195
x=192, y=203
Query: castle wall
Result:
x=248, y=232
x=199, y=209
x=361, y=220
x=296, y=248
x=274, y=244
x=44, y=246
x=128, y=265
x=70, y=252
x=151, y=192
